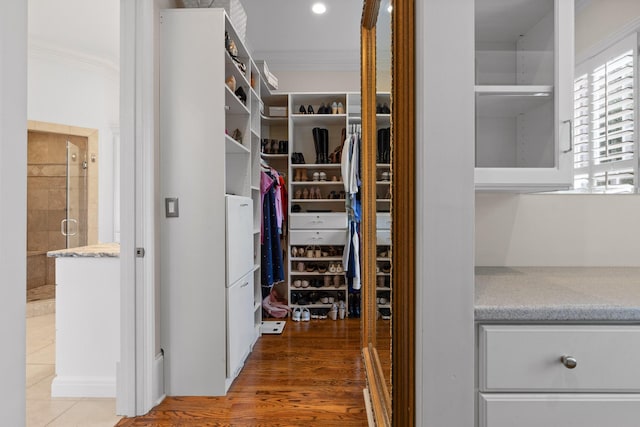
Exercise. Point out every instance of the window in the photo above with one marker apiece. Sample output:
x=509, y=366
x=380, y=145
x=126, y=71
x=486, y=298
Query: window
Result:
x=605, y=148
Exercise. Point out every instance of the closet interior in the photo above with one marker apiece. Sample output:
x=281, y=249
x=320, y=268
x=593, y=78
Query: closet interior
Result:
x=260, y=190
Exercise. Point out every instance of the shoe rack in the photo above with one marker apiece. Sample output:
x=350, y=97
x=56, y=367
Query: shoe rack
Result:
x=210, y=139
x=318, y=220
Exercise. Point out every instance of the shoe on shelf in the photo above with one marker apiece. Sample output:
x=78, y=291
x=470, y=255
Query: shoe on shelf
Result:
x=340, y=108
x=336, y=281
x=342, y=309
x=334, y=108
x=231, y=83
x=323, y=176
x=296, y=177
x=297, y=283
x=310, y=109
x=333, y=313
x=296, y=315
x=339, y=268
x=316, y=176
x=305, y=193
x=302, y=110
x=305, y=316
x=300, y=267
x=332, y=268
x=304, y=283
x=303, y=175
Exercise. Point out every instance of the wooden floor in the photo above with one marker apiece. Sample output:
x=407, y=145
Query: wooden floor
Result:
x=311, y=375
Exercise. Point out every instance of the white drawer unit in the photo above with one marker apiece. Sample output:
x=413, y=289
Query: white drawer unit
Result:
x=307, y=221
x=383, y=221
x=529, y=358
x=558, y=375
x=318, y=238
x=383, y=237
x=562, y=410
x=239, y=237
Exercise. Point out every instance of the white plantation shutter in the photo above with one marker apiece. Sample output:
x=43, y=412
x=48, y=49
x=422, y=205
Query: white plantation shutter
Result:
x=605, y=147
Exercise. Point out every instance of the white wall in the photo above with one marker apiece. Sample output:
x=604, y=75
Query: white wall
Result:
x=317, y=81
x=600, y=18
x=557, y=230
x=540, y=230
x=444, y=223
x=69, y=88
x=13, y=205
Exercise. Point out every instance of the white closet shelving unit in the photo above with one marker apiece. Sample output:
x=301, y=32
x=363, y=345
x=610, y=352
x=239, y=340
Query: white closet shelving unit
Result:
x=210, y=260
x=383, y=201
x=318, y=222
x=524, y=83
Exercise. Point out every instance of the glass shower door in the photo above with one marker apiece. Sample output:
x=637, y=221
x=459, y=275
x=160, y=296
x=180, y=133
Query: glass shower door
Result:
x=74, y=226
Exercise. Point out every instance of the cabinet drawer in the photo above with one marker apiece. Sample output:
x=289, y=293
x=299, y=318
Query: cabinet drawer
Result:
x=528, y=358
x=383, y=237
x=318, y=221
x=383, y=221
x=566, y=410
x=239, y=237
x=324, y=237
x=240, y=323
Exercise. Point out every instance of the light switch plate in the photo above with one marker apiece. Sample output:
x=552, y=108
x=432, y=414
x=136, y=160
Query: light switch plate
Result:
x=171, y=207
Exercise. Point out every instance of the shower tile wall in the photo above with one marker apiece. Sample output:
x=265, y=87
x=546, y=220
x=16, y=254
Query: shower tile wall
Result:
x=46, y=202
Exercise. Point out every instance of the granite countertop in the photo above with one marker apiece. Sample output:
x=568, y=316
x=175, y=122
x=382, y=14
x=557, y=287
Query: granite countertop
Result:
x=557, y=294
x=102, y=250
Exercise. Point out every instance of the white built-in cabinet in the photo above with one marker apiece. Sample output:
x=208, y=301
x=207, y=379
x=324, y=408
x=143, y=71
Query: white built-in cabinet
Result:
x=524, y=94
x=210, y=203
x=571, y=375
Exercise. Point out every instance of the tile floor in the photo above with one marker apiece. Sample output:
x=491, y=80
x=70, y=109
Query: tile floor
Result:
x=42, y=409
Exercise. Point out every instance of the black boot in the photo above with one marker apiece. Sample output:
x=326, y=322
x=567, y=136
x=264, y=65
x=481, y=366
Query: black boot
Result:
x=317, y=140
x=325, y=146
x=387, y=145
x=380, y=144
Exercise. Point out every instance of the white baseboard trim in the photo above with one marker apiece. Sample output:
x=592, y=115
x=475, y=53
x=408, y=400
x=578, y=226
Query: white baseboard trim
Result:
x=83, y=387
x=158, y=379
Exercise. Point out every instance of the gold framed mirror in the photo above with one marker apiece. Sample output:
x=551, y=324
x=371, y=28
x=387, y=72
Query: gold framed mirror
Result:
x=394, y=406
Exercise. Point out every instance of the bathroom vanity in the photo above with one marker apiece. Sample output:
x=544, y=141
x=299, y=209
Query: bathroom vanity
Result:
x=87, y=321
x=557, y=346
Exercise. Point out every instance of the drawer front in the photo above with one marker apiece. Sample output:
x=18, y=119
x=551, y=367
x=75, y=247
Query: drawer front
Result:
x=528, y=358
x=239, y=237
x=565, y=410
x=318, y=221
x=324, y=237
x=383, y=221
x=383, y=237
x=240, y=323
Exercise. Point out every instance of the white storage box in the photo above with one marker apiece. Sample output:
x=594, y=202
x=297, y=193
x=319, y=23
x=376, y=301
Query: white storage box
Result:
x=278, y=111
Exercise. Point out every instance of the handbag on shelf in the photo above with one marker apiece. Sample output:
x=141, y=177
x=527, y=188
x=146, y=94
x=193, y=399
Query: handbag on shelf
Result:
x=297, y=158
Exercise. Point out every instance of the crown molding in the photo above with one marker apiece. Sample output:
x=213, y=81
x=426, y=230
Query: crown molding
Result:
x=42, y=49
x=302, y=60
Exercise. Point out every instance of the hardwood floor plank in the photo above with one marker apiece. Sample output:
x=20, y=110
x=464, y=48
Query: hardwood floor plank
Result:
x=311, y=375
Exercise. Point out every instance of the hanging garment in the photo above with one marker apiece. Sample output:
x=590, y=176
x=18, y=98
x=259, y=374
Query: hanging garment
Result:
x=351, y=177
x=271, y=260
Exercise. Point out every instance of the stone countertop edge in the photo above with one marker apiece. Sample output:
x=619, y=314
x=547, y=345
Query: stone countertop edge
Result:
x=102, y=250
x=565, y=294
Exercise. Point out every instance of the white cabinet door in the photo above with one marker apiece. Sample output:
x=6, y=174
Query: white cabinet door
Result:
x=239, y=237
x=559, y=410
x=524, y=94
x=240, y=324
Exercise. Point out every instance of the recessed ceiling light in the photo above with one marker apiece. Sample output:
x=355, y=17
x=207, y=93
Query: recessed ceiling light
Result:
x=319, y=8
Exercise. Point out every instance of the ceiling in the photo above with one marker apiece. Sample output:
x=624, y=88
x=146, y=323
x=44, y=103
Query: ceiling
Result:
x=289, y=36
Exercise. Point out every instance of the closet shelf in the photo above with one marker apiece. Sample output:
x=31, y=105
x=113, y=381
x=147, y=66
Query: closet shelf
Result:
x=255, y=188
x=315, y=183
x=256, y=267
x=383, y=182
x=383, y=289
x=319, y=119
x=383, y=274
x=318, y=259
x=384, y=305
x=311, y=306
x=383, y=165
x=282, y=120
x=232, y=68
x=311, y=288
x=316, y=165
x=274, y=156
x=316, y=200
x=315, y=273
x=383, y=259
x=234, y=105
x=233, y=146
